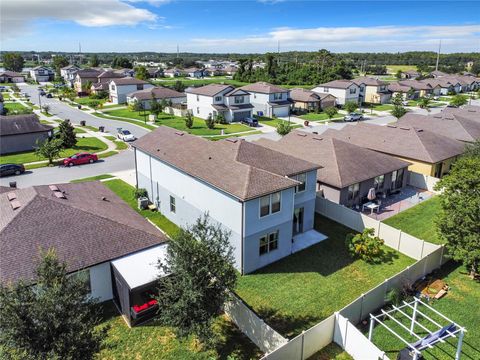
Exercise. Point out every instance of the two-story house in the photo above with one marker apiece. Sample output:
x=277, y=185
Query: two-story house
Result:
x=120, y=88
x=306, y=100
x=264, y=198
x=103, y=81
x=214, y=99
x=158, y=94
x=83, y=78
x=344, y=90
x=42, y=74
x=372, y=90
x=68, y=73
x=268, y=100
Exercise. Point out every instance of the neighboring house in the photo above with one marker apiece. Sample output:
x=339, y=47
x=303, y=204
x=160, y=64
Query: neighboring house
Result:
x=103, y=81
x=172, y=73
x=430, y=153
x=372, y=90
x=68, y=73
x=154, y=73
x=440, y=86
x=411, y=74
x=42, y=74
x=229, y=70
x=269, y=100
x=90, y=228
x=348, y=171
x=1, y=104
x=83, y=77
x=452, y=125
x=438, y=73
x=156, y=93
x=125, y=72
x=120, y=88
x=343, y=90
x=307, y=101
x=263, y=197
x=194, y=72
x=213, y=99
x=410, y=89
x=469, y=111
x=11, y=77
x=21, y=133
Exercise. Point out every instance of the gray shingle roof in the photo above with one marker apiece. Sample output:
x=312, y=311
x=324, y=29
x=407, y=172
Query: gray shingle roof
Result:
x=369, y=81
x=264, y=88
x=303, y=95
x=407, y=142
x=21, y=124
x=209, y=90
x=128, y=81
x=239, y=168
x=157, y=93
x=84, y=229
x=338, y=84
x=343, y=164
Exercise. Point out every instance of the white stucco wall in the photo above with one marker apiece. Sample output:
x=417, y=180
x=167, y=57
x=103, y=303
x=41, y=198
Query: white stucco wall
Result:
x=342, y=95
x=101, y=281
x=119, y=95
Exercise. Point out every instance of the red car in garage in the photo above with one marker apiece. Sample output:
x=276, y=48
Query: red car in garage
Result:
x=80, y=158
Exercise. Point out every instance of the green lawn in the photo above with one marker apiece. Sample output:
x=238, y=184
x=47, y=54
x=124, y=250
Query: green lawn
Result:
x=11, y=107
x=86, y=101
x=93, y=178
x=136, y=122
x=274, y=122
x=83, y=144
x=120, y=145
x=201, y=82
x=6, y=95
x=392, y=69
x=107, y=154
x=127, y=193
x=320, y=117
x=331, y=352
x=461, y=304
x=154, y=341
x=383, y=107
x=199, y=127
x=419, y=220
x=302, y=289
x=113, y=106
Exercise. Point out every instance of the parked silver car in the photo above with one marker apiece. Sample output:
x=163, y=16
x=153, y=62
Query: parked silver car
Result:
x=353, y=117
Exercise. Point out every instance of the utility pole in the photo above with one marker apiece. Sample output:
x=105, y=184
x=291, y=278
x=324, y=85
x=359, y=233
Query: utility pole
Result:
x=438, y=55
x=178, y=54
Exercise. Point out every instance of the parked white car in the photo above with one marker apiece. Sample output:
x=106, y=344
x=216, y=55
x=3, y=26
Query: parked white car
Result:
x=125, y=135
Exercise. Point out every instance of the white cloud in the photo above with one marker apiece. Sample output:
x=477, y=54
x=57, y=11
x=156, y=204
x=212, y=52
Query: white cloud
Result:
x=18, y=15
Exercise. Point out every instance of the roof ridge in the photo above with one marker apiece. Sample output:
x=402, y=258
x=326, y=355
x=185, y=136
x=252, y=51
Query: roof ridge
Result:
x=336, y=162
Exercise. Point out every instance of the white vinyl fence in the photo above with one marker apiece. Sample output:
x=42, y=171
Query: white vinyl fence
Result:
x=421, y=181
x=254, y=327
x=175, y=111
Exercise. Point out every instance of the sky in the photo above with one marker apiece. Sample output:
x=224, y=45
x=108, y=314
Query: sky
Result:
x=239, y=26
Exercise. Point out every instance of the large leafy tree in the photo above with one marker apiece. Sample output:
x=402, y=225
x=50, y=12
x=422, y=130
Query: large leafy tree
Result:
x=13, y=62
x=121, y=62
x=53, y=319
x=59, y=62
x=398, y=110
x=48, y=149
x=201, y=260
x=458, y=100
x=350, y=106
x=141, y=73
x=94, y=62
x=66, y=133
x=459, y=221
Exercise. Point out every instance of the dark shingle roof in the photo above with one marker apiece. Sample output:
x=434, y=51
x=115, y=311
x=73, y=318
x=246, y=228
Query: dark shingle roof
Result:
x=343, y=164
x=21, y=124
x=129, y=81
x=407, y=142
x=338, y=84
x=239, y=168
x=209, y=90
x=369, y=81
x=264, y=88
x=304, y=95
x=156, y=93
x=84, y=229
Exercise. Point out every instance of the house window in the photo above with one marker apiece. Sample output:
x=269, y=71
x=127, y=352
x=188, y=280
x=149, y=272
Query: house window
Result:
x=353, y=191
x=397, y=178
x=198, y=110
x=254, y=95
x=268, y=242
x=353, y=90
x=303, y=179
x=238, y=99
x=218, y=98
x=378, y=182
x=198, y=98
x=325, y=89
x=277, y=96
x=139, y=86
x=173, y=206
x=270, y=204
x=113, y=87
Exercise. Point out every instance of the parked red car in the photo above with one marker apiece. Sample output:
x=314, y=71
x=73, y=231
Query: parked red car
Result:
x=80, y=158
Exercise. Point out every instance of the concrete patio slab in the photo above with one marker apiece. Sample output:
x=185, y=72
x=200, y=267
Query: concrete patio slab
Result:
x=307, y=239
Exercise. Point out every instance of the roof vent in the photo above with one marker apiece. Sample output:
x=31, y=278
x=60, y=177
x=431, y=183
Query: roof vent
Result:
x=59, y=195
x=317, y=138
x=404, y=128
x=104, y=198
x=209, y=158
x=158, y=149
x=302, y=134
x=437, y=116
x=392, y=126
x=11, y=196
x=315, y=132
x=471, y=110
x=419, y=130
x=53, y=187
x=179, y=133
x=15, y=204
x=232, y=140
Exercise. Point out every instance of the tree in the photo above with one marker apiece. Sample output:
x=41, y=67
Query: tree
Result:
x=350, y=106
x=459, y=221
x=13, y=62
x=46, y=108
x=141, y=73
x=210, y=122
x=121, y=62
x=201, y=259
x=66, y=133
x=87, y=87
x=410, y=93
x=155, y=106
x=365, y=246
x=220, y=118
x=179, y=86
x=397, y=100
x=423, y=103
x=48, y=149
x=473, y=149
x=475, y=69
x=331, y=111
x=398, y=110
x=59, y=61
x=55, y=319
x=94, y=62
x=398, y=74
x=283, y=127
x=188, y=120
x=458, y=100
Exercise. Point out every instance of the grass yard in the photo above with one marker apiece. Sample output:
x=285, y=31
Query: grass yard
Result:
x=331, y=352
x=419, y=220
x=382, y=107
x=11, y=107
x=459, y=305
x=107, y=154
x=127, y=113
x=136, y=122
x=273, y=122
x=113, y=106
x=93, y=178
x=302, y=289
x=199, y=127
x=320, y=117
x=6, y=95
x=83, y=144
x=392, y=69
x=200, y=82
x=79, y=130
x=86, y=101
x=154, y=341
x=120, y=145
x=127, y=193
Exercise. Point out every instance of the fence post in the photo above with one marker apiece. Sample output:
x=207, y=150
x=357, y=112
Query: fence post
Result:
x=399, y=239
x=361, y=307
x=425, y=265
x=441, y=256
x=423, y=246
x=303, y=345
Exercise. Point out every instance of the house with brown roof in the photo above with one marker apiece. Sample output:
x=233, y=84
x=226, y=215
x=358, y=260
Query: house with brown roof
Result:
x=214, y=99
x=411, y=74
x=90, y=228
x=343, y=90
x=428, y=152
x=120, y=88
x=83, y=77
x=68, y=73
x=268, y=100
x=157, y=93
x=21, y=133
x=373, y=90
x=410, y=89
x=263, y=197
x=348, y=171
x=11, y=77
x=307, y=101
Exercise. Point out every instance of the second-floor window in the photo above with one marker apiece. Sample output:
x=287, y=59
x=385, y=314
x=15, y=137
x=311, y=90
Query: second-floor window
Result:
x=113, y=87
x=277, y=96
x=173, y=206
x=198, y=98
x=353, y=90
x=140, y=87
x=303, y=179
x=325, y=89
x=270, y=204
x=353, y=191
x=238, y=99
x=378, y=182
x=218, y=98
x=198, y=110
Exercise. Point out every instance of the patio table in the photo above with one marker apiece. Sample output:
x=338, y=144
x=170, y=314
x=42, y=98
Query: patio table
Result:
x=371, y=205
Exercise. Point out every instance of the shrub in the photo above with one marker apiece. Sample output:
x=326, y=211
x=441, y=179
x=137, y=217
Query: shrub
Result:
x=220, y=119
x=283, y=128
x=210, y=122
x=365, y=246
x=189, y=120
x=331, y=111
x=140, y=192
x=350, y=106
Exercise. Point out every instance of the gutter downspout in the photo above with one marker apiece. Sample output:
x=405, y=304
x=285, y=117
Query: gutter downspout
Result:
x=242, y=261
x=136, y=170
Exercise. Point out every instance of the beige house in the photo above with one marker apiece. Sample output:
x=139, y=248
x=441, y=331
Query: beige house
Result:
x=308, y=101
x=373, y=90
